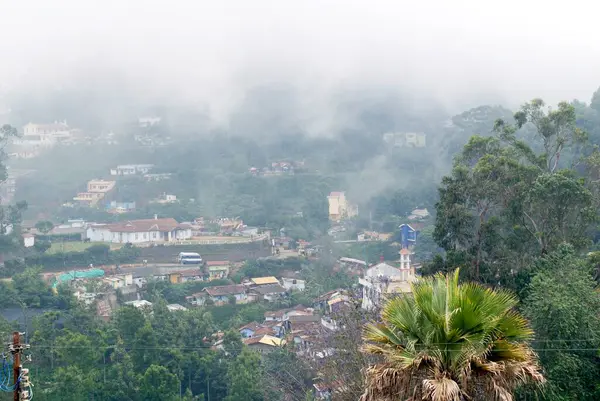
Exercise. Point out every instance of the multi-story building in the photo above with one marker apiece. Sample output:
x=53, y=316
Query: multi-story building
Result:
x=96, y=190
x=339, y=207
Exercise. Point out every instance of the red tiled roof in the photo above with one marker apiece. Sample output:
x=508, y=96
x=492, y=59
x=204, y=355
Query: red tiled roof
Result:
x=145, y=225
x=225, y=290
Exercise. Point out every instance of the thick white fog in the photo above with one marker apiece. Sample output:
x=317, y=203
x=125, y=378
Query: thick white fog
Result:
x=461, y=52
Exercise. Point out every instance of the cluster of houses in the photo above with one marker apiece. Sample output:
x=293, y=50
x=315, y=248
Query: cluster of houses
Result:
x=269, y=289
x=141, y=231
x=302, y=327
x=37, y=138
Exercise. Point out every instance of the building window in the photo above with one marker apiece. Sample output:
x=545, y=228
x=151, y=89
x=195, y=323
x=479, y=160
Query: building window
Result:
x=136, y=235
x=145, y=236
x=154, y=234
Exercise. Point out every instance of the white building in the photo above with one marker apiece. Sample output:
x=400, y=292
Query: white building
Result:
x=47, y=132
x=28, y=240
x=383, y=280
x=293, y=284
x=131, y=169
x=140, y=231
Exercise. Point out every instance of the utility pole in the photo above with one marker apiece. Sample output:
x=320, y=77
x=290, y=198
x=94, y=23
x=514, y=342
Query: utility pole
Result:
x=21, y=383
x=16, y=351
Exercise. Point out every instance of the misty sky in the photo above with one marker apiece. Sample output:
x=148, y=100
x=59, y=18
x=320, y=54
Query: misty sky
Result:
x=214, y=50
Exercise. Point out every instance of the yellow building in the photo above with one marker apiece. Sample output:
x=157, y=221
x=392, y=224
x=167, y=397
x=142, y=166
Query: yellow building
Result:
x=339, y=208
x=96, y=189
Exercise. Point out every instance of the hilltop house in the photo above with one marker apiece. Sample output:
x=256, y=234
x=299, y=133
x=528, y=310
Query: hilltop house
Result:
x=131, y=169
x=96, y=190
x=140, y=231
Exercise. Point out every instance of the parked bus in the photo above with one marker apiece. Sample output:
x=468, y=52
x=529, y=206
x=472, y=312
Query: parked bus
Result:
x=189, y=258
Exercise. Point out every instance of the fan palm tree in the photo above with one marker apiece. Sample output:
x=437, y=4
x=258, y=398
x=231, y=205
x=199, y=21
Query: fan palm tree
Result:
x=449, y=342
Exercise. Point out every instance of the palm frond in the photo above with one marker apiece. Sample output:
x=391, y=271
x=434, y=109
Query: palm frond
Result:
x=457, y=339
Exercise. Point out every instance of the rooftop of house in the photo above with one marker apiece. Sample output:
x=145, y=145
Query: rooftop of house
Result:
x=281, y=312
x=225, y=290
x=218, y=263
x=139, y=303
x=336, y=194
x=266, y=340
x=292, y=279
x=145, y=225
x=250, y=326
x=189, y=272
x=304, y=318
x=382, y=269
x=327, y=296
x=99, y=181
x=355, y=261
x=264, y=280
x=269, y=289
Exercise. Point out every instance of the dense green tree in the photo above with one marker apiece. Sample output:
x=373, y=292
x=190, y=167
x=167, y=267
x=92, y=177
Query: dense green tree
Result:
x=127, y=321
x=245, y=378
x=32, y=290
x=506, y=202
x=158, y=384
x=564, y=309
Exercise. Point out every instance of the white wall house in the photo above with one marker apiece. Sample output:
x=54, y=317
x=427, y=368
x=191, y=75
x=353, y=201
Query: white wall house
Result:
x=140, y=231
x=383, y=280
